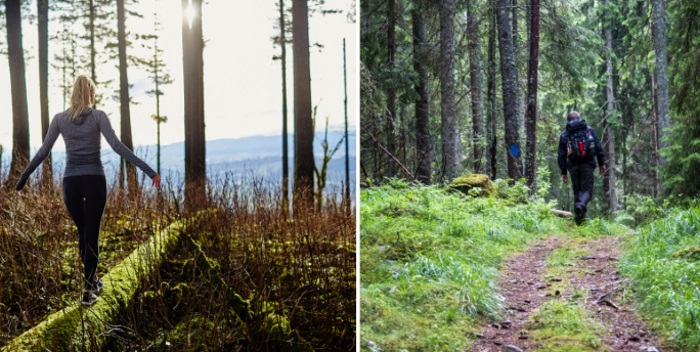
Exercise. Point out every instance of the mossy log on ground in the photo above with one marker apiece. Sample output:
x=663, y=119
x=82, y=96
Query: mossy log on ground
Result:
x=689, y=253
x=474, y=185
x=76, y=328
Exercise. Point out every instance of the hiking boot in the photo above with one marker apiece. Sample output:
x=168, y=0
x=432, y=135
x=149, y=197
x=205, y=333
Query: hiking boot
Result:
x=89, y=298
x=579, y=214
x=96, y=286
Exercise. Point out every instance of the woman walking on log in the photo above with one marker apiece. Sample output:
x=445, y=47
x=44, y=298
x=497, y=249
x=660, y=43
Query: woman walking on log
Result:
x=84, y=183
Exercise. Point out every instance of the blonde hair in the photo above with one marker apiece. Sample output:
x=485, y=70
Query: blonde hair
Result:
x=83, y=96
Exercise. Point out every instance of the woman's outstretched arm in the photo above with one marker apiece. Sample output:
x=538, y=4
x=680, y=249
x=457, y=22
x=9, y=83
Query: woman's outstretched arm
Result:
x=119, y=147
x=43, y=152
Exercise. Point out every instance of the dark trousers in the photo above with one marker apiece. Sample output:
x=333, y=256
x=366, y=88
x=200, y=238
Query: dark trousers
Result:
x=582, y=182
x=85, y=197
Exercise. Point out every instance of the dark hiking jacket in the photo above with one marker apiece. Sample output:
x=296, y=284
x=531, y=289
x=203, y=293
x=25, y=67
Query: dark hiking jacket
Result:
x=564, y=161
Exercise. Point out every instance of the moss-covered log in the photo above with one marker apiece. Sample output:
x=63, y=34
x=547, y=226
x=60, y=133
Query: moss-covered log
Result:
x=76, y=328
x=689, y=253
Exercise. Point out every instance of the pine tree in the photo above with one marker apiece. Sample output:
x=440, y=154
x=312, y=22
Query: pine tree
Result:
x=509, y=86
x=193, y=75
x=447, y=86
x=20, y=115
x=159, y=76
x=303, y=125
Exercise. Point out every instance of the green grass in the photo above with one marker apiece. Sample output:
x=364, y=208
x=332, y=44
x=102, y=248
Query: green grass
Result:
x=565, y=326
x=430, y=260
x=668, y=288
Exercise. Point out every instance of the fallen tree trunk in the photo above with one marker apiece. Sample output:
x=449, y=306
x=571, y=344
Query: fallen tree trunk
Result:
x=76, y=328
x=561, y=213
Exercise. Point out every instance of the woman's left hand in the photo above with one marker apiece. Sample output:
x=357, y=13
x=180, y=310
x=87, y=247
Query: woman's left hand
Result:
x=156, y=180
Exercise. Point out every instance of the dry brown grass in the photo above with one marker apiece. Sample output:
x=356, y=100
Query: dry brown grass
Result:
x=301, y=268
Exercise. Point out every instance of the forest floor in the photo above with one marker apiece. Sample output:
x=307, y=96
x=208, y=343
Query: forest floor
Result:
x=566, y=294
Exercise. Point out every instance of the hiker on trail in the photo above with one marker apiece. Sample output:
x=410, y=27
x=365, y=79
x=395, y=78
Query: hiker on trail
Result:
x=579, y=148
x=84, y=183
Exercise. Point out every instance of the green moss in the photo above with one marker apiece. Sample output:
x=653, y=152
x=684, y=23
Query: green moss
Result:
x=193, y=333
x=210, y=268
x=690, y=253
x=474, y=185
x=68, y=328
x=279, y=332
x=565, y=326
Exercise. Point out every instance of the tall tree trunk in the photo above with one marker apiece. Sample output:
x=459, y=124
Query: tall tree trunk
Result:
x=193, y=82
x=391, y=91
x=303, y=124
x=43, y=17
x=509, y=79
x=347, y=137
x=424, y=153
x=447, y=89
x=93, y=51
x=609, y=180
x=475, y=82
x=124, y=95
x=661, y=70
x=491, y=93
x=159, y=119
x=516, y=54
x=18, y=88
x=655, y=152
x=285, y=132
x=531, y=119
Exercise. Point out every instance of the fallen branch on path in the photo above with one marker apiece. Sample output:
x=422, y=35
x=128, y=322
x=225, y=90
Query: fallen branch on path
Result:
x=561, y=213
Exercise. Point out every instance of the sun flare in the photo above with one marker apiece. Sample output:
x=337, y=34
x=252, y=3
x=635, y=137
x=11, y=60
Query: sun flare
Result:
x=189, y=13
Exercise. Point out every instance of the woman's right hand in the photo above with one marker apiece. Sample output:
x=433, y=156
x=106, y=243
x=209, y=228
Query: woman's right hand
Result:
x=156, y=180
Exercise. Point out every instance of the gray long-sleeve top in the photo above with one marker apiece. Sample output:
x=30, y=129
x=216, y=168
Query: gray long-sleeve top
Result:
x=82, y=138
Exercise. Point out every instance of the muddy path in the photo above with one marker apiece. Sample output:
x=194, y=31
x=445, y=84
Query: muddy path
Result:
x=587, y=277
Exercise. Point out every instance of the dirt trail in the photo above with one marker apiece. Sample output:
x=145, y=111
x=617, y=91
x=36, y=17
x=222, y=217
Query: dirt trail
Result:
x=525, y=287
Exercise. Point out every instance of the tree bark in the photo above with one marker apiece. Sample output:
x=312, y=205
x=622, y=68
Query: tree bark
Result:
x=347, y=137
x=124, y=99
x=655, y=154
x=285, y=132
x=391, y=90
x=531, y=118
x=447, y=87
x=18, y=88
x=475, y=82
x=303, y=125
x=516, y=53
x=195, y=162
x=609, y=179
x=424, y=152
x=93, y=51
x=509, y=85
x=491, y=93
x=661, y=70
x=43, y=24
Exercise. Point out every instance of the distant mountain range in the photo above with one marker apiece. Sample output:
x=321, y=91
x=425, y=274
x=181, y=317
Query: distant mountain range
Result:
x=260, y=156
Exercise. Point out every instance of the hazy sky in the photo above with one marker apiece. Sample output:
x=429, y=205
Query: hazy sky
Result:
x=242, y=84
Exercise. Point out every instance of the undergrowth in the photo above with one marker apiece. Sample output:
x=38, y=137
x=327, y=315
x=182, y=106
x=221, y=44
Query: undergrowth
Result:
x=430, y=260
x=663, y=265
x=295, y=274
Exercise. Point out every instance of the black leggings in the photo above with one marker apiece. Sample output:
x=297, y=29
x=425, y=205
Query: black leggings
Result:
x=85, y=197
